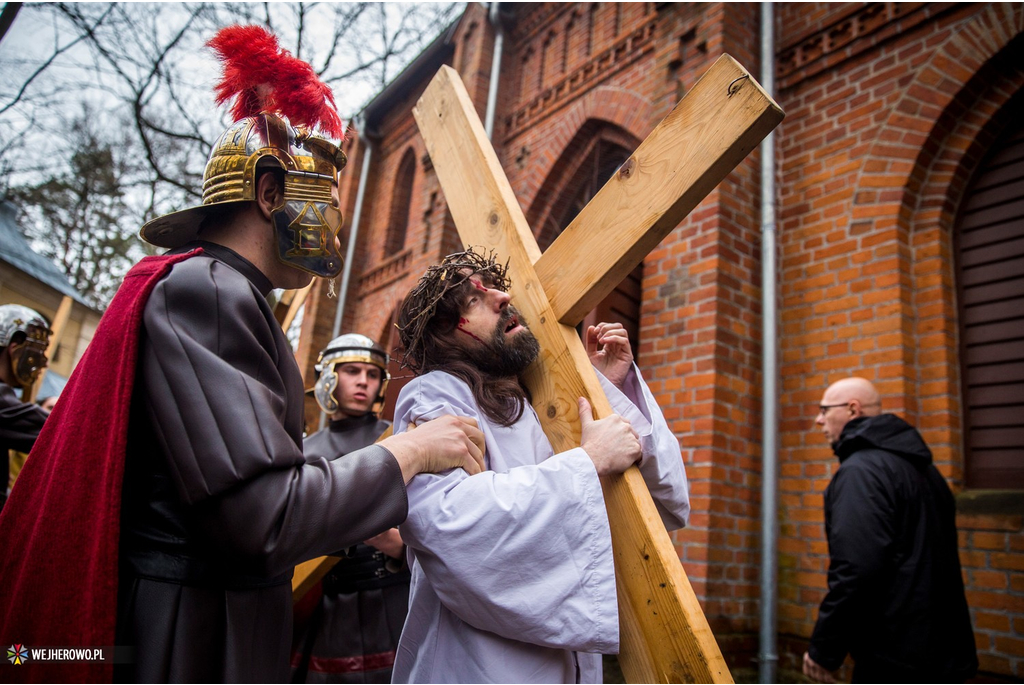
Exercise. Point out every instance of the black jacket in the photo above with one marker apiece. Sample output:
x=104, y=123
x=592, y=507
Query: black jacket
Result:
x=20, y=423
x=896, y=598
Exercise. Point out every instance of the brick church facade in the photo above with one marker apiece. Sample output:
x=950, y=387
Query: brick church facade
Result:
x=900, y=185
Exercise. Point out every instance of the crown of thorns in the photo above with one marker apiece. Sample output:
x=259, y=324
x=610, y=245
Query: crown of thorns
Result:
x=434, y=285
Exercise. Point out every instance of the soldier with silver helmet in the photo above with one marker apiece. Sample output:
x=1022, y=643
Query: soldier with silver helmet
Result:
x=217, y=503
x=24, y=335
x=351, y=354
x=347, y=628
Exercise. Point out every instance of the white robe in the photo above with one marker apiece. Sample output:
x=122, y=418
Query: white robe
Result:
x=512, y=572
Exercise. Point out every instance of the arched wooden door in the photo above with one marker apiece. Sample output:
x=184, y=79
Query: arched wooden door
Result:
x=990, y=281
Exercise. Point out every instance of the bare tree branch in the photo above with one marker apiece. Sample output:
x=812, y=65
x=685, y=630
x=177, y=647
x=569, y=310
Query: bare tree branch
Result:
x=145, y=66
x=43, y=67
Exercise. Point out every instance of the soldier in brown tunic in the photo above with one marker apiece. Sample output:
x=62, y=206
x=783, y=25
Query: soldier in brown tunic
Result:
x=347, y=627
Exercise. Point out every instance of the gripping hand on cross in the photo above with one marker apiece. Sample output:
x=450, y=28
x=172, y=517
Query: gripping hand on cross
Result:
x=609, y=351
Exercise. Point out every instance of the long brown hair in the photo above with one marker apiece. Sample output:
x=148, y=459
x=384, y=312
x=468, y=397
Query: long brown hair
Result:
x=426, y=324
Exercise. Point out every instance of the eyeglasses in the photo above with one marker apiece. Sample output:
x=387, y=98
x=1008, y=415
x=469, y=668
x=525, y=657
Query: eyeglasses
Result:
x=823, y=408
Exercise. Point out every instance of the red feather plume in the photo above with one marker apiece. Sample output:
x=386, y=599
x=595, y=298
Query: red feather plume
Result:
x=262, y=77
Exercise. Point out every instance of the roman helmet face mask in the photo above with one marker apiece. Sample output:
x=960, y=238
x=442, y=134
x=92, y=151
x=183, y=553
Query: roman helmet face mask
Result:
x=29, y=359
x=279, y=100
x=307, y=223
x=347, y=348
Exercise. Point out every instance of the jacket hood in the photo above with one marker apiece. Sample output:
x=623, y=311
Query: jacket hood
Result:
x=885, y=432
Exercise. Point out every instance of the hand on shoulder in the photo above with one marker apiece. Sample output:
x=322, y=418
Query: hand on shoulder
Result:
x=444, y=443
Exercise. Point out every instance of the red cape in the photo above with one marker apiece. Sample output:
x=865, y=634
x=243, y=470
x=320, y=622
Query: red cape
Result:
x=60, y=527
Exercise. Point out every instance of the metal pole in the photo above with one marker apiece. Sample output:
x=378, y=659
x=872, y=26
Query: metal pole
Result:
x=339, y=313
x=492, y=87
x=768, y=657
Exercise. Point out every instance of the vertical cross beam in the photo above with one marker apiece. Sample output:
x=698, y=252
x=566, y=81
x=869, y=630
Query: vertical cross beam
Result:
x=664, y=634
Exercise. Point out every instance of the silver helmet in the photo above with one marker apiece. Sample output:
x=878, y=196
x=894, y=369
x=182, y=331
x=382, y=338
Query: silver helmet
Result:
x=350, y=347
x=30, y=356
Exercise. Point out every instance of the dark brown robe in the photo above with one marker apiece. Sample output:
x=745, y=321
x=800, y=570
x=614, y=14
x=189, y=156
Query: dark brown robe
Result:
x=218, y=502
x=347, y=628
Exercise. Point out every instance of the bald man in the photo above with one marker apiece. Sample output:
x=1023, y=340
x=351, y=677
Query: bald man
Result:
x=895, y=598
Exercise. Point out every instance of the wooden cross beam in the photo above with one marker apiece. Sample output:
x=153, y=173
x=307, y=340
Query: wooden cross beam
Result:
x=664, y=634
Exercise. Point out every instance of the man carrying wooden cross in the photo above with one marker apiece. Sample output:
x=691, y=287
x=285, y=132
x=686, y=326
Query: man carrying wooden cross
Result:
x=513, y=576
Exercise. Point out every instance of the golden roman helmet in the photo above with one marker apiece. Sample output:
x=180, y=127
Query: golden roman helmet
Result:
x=307, y=221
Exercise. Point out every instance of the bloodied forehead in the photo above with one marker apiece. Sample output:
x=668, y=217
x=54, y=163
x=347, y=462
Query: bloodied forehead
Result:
x=482, y=281
x=474, y=282
x=446, y=282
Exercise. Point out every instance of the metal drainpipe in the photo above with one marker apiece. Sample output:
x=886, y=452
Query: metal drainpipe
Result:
x=768, y=657
x=353, y=234
x=492, y=87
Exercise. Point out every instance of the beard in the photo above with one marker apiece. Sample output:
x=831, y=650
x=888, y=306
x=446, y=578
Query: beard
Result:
x=503, y=356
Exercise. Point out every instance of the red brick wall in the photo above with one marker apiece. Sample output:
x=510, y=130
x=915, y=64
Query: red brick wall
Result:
x=890, y=107
x=880, y=138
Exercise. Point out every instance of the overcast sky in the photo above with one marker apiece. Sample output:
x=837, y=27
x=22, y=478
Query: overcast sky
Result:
x=76, y=76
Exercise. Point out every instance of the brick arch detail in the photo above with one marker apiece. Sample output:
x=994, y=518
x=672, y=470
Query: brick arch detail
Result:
x=563, y=174
x=379, y=320
x=937, y=83
x=917, y=170
x=932, y=221
x=611, y=104
x=605, y=105
x=403, y=185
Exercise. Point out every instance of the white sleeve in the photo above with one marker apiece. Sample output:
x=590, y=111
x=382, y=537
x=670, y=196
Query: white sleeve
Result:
x=526, y=553
x=661, y=463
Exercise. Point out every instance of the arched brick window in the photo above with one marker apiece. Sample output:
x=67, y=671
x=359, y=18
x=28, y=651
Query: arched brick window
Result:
x=401, y=197
x=590, y=159
x=990, y=280
x=622, y=304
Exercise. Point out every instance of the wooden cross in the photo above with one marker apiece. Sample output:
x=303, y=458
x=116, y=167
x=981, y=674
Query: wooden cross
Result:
x=664, y=634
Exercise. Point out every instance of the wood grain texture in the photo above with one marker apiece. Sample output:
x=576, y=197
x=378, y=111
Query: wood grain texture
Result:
x=723, y=117
x=298, y=299
x=309, y=573
x=664, y=634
